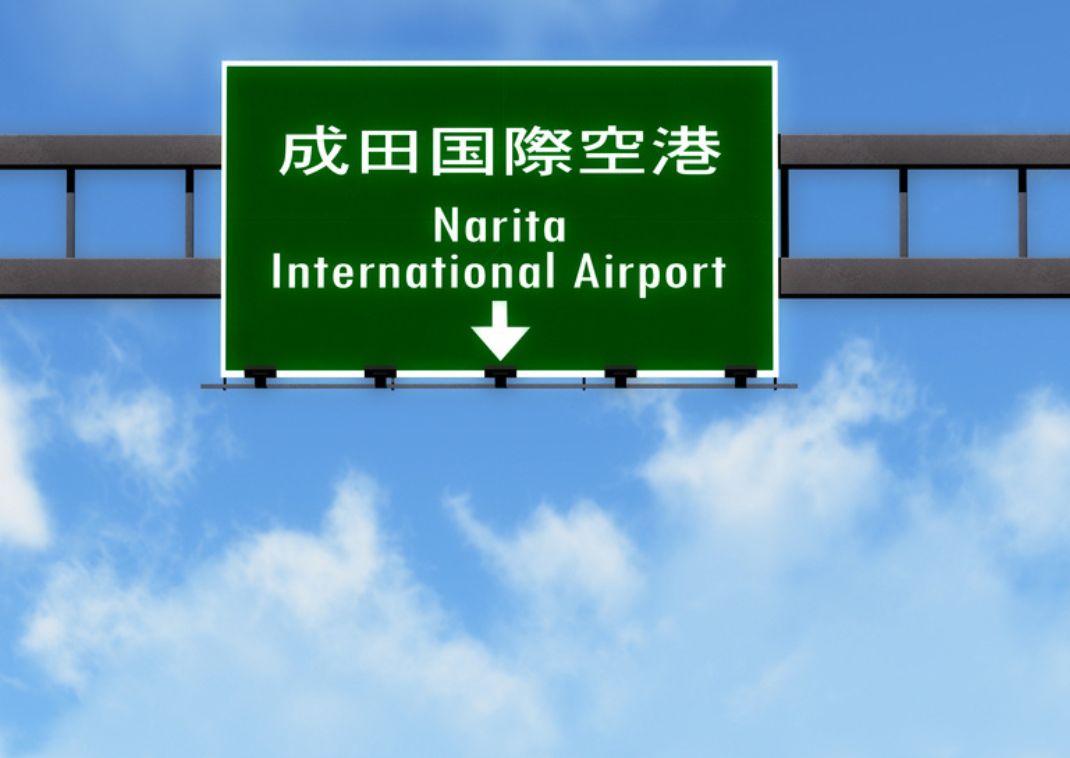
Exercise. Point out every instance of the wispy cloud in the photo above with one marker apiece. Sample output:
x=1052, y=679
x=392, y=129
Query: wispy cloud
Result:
x=70, y=622
x=23, y=521
x=795, y=469
x=1021, y=478
x=567, y=562
x=144, y=429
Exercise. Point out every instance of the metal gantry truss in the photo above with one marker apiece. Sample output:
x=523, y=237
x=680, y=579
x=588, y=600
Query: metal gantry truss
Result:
x=186, y=276
x=903, y=276
x=183, y=276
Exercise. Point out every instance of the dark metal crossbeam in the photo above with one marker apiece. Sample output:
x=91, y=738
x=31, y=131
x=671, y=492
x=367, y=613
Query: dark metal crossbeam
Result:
x=877, y=151
x=107, y=151
x=184, y=276
x=109, y=277
x=924, y=277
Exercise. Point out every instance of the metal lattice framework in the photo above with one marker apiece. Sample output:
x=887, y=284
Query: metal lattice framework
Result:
x=186, y=276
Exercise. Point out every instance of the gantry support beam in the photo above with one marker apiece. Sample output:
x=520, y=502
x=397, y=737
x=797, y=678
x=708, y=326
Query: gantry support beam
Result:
x=924, y=277
x=924, y=151
x=109, y=277
x=109, y=151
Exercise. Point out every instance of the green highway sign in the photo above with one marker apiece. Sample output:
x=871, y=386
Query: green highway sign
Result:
x=444, y=218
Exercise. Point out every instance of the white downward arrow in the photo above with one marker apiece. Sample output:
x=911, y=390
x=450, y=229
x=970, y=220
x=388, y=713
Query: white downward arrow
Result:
x=499, y=336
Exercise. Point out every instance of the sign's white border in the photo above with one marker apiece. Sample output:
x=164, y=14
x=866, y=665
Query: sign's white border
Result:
x=589, y=373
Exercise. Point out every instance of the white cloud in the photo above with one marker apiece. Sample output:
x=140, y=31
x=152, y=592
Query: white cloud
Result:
x=578, y=558
x=669, y=642
x=311, y=574
x=577, y=612
x=797, y=466
x=1021, y=477
x=83, y=613
x=321, y=642
x=143, y=429
x=23, y=521
x=662, y=405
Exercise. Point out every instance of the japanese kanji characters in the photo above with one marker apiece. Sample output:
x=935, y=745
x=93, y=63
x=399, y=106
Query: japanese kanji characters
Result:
x=692, y=150
x=624, y=147
x=382, y=150
x=462, y=151
x=536, y=150
x=299, y=151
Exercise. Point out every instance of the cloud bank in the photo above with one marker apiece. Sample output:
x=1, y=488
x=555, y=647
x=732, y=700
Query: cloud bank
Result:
x=322, y=644
x=803, y=591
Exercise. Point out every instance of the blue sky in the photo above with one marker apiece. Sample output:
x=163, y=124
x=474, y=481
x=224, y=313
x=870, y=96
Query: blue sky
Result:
x=873, y=565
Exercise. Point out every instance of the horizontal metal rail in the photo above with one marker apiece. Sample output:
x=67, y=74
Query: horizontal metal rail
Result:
x=898, y=275
x=109, y=277
x=489, y=385
x=918, y=151
x=925, y=277
x=109, y=151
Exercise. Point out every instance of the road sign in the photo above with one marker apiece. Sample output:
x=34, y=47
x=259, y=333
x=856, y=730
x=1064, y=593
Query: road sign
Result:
x=555, y=217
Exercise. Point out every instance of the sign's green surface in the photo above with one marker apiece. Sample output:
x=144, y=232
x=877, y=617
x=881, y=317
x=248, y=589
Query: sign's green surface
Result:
x=443, y=218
